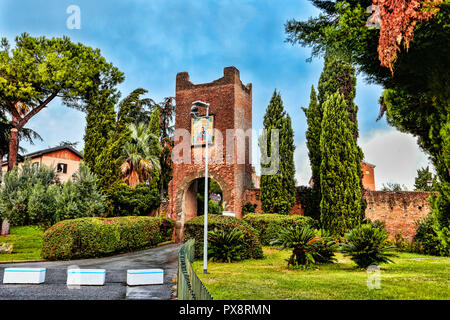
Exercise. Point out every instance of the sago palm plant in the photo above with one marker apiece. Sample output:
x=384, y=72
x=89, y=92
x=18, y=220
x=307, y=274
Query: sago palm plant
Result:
x=366, y=245
x=324, y=250
x=301, y=240
x=140, y=155
x=225, y=246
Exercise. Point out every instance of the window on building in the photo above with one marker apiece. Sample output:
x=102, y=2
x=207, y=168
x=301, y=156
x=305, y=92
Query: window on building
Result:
x=61, y=168
x=36, y=165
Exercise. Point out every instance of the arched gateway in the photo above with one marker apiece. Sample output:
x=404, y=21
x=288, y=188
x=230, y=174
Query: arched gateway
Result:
x=229, y=149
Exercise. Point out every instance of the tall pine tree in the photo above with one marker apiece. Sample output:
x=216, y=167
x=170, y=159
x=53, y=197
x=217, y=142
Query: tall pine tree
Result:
x=277, y=188
x=340, y=207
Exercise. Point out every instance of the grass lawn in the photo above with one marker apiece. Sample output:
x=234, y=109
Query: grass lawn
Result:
x=412, y=276
x=27, y=244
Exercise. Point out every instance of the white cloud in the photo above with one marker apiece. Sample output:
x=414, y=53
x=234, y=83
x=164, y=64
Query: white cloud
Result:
x=302, y=166
x=396, y=156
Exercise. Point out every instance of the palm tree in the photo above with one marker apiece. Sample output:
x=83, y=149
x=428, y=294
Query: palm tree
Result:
x=140, y=155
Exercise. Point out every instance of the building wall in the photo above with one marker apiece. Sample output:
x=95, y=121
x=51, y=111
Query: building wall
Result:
x=398, y=209
x=72, y=165
x=368, y=179
x=52, y=159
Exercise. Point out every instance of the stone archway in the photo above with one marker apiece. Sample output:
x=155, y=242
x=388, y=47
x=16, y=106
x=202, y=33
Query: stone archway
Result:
x=183, y=192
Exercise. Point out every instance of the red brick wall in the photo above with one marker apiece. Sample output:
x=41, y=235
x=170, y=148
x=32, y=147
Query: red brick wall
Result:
x=398, y=209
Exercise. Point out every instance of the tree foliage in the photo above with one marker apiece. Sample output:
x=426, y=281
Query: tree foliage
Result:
x=277, y=188
x=393, y=186
x=115, y=134
x=423, y=180
x=31, y=195
x=337, y=76
x=416, y=97
x=166, y=111
x=140, y=156
x=100, y=122
x=314, y=120
x=397, y=20
x=38, y=70
x=118, y=141
x=340, y=206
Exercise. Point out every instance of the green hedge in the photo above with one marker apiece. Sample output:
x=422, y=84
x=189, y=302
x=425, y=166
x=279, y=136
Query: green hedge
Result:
x=96, y=237
x=269, y=225
x=194, y=229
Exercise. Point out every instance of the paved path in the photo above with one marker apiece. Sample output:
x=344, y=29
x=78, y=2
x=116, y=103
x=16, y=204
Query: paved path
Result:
x=115, y=288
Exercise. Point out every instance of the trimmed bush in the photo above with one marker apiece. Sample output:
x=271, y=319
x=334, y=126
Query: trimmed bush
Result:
x=250, y=243
x=96, y=237
x=126, y=201
x=270, y=225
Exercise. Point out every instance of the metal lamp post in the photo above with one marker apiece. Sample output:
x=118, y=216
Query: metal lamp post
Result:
x=194, y=114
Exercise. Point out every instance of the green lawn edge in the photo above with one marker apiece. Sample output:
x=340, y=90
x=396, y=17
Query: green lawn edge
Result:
x=411, y=277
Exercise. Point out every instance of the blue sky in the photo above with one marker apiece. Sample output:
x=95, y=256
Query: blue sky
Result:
x=151, y=41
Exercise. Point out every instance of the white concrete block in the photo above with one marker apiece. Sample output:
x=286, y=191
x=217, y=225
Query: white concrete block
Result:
x=145, y=276
x=86, y=277
x=228, y=213
x=24, y=275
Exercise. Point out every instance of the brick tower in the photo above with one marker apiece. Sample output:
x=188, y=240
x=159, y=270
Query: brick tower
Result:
x=230, y=151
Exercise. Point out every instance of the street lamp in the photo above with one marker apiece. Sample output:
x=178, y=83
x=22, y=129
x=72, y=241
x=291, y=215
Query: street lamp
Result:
x=195, y=114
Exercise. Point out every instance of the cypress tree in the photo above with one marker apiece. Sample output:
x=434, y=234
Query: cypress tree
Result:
x=277, y=188
x=100, y=121
x=313, y=120
x=338, y=75
x=287, y=165
x=154, y=123
x=155, y=128
x=340, y=207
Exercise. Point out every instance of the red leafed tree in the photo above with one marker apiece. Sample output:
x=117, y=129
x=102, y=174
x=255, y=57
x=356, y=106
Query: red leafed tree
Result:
x=398, y=19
